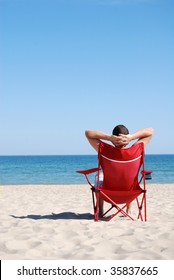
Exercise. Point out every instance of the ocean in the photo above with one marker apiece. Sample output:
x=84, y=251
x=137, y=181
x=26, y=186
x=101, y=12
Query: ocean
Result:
x=21, y=170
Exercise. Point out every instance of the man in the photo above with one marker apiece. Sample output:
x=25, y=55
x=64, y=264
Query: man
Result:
x=120, y=138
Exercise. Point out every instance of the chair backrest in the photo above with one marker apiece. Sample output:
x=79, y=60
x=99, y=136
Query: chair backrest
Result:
x=121, y=166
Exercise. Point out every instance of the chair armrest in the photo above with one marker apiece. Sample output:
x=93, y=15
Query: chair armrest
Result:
x=88, y=171
x=147, y=174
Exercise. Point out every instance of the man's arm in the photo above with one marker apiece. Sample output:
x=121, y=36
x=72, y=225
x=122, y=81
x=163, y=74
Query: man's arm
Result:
x=143, y=136
x=94, y=137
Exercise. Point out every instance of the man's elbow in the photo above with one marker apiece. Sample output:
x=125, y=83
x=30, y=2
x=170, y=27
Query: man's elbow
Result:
x=151, y=131
x=87, y=133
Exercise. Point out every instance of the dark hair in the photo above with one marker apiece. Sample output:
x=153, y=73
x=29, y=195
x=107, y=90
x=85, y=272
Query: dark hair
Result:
x=120, y=129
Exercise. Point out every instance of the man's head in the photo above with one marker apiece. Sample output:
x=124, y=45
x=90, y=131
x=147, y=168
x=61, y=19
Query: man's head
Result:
x=120, y=129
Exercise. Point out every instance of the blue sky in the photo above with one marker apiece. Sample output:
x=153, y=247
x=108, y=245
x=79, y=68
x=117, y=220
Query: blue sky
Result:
x=72, y=65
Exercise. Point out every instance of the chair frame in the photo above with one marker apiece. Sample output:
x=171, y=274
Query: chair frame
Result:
x=97, y=192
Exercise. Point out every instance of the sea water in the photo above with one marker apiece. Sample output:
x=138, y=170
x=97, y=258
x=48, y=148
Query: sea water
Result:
x=62, y=169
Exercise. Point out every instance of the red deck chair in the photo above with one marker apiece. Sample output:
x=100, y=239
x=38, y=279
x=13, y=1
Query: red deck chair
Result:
x=123, y=171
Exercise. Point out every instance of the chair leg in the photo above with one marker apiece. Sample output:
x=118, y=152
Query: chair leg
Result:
x=108, y=210
x=95, y=205
x=120, y=210
x=139, y=210
x=145, y=209
x=140, y=207
x=96, y=208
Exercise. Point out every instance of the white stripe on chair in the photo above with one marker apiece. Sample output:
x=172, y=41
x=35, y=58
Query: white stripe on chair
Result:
x=123, y=161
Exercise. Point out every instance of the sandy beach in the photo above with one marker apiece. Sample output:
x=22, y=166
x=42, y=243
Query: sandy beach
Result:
x=56, y=222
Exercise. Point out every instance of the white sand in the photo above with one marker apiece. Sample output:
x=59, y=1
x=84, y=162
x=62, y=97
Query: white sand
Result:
x=56, y=222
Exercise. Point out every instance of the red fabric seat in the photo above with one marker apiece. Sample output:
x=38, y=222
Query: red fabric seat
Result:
x=123, y=171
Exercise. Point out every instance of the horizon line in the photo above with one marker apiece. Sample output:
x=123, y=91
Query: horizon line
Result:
x=11, y=155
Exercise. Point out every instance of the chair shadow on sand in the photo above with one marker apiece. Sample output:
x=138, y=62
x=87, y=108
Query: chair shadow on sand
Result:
x=59, y=216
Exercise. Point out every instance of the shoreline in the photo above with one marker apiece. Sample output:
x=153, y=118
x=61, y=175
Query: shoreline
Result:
x=56, y=222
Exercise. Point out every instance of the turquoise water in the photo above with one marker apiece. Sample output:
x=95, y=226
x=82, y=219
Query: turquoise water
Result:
x=62, y=169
